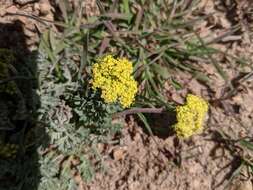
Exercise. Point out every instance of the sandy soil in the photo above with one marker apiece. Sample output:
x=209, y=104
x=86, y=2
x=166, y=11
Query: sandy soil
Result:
x=206, y=161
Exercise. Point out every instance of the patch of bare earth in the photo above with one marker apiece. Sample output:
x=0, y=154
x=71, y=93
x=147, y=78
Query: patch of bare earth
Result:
x=142, y=162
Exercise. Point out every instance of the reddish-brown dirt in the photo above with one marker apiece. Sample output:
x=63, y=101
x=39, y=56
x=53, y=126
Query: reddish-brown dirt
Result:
x=206, y=161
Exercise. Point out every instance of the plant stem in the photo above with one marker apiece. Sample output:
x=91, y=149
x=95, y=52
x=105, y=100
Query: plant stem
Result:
x=138, y=110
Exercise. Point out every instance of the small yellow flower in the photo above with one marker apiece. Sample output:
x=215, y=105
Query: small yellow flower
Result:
x=114, y=78
x=191, y=116
x=8, y=150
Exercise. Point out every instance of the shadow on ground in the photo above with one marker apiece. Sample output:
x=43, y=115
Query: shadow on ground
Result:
x=20, y=133
x=161, y=125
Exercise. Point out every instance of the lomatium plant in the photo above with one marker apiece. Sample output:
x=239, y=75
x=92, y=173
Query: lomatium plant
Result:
x=191, y=116
x=8, y=150
x=114, y=78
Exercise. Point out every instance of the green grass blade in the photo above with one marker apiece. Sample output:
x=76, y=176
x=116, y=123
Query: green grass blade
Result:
x=145, y=122
x=247, y=144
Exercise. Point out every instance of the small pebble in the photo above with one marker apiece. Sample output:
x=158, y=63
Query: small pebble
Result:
x=44, y=8
x=245, y=185
x=118, y=154
x=12, y=9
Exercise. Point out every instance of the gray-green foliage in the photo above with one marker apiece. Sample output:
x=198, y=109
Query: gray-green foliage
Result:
x=71, y=111
x=70, y=108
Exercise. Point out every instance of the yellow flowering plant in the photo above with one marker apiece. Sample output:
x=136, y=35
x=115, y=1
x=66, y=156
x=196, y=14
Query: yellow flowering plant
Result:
x=191, y=116
x=8, y=150
x=114, y=78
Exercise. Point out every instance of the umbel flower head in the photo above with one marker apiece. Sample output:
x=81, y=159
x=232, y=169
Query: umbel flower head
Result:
x=8, y=150
x=114, y=78
x=191, y=116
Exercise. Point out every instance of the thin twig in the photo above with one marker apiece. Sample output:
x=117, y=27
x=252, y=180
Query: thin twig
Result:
x=224, y=35
x=91, y=25
x=41, y=20
x=105, y=43
x=138, y=18
x=138, y=110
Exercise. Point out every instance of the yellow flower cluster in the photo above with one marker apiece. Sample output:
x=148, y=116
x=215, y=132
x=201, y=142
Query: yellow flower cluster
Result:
x=191, y=116
x=8, y=150
x=113, y=77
